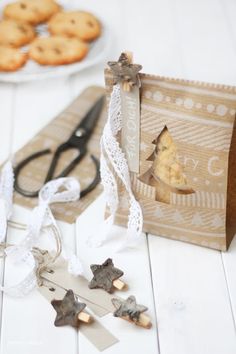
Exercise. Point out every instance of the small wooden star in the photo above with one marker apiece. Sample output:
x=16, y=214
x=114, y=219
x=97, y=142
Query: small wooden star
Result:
x=104, y=275
x=67, y=310
x=128, y=308
x=124, y=71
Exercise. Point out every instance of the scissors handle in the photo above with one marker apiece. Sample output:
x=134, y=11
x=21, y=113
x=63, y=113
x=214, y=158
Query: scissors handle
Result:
x=69, y=167
x=65, y=172
x=21, y=165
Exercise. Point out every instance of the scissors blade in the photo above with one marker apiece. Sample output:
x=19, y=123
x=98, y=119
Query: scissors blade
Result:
x=90, y=119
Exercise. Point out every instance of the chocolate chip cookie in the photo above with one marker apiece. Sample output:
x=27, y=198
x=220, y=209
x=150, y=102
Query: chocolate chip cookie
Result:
x=57, y=50
x=31, y=11
x=15, y=33
x=78, y=24
x=11, y=59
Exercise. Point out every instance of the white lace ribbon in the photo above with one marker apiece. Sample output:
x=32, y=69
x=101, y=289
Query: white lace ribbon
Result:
x=112, y=153
x=41, y=216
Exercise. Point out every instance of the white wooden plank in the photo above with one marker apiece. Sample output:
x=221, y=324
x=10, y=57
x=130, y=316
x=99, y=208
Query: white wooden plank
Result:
x=193, y=308
x=7, y=93
x=229, y=261
x=203, y=37
x=34, y=331
x=36, y=104
x=135, y=264
x=150, y=33
x=130, y=338
x=228, y=8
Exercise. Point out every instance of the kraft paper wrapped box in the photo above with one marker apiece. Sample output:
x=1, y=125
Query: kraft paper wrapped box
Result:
x=186, y=176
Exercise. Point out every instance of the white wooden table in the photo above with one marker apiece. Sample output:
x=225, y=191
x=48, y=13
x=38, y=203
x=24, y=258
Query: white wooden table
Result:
x=190, y=291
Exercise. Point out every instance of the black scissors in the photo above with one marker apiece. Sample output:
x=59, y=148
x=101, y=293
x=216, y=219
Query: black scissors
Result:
x=78, y=140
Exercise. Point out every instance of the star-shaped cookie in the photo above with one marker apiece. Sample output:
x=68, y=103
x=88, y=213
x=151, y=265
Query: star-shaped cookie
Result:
x=67, y=310
x=128, y=308
x=104, y=275
x=124, y=71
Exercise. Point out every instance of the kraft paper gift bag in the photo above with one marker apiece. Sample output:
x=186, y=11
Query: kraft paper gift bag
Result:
x=185, y=174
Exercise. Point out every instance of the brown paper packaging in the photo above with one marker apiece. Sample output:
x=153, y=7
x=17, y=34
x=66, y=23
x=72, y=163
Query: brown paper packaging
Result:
x=200, y=121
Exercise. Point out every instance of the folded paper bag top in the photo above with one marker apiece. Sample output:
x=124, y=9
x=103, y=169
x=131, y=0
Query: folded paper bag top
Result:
x=186, y=177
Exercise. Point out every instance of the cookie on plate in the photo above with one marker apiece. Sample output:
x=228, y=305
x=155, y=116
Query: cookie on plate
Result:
x=57, y=50
x=11, y=59
x=31, y=11
x=78, y=24
x=15, y=33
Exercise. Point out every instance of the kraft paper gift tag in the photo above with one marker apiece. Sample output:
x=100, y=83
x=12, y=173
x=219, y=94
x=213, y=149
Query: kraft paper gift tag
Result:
x=97, y=297
x=52, y=135
x=186, y=183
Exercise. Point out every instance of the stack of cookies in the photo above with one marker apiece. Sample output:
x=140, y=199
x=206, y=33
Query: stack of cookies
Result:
x=69, y=34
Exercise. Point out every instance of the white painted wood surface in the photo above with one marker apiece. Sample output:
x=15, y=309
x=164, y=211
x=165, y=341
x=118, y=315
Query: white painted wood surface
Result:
x=190, y=291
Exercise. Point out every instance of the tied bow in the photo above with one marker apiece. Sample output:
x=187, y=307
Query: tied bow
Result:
x=60, y=190
x=42, y=216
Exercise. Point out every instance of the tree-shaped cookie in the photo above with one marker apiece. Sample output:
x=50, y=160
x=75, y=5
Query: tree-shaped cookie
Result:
x=166, y=174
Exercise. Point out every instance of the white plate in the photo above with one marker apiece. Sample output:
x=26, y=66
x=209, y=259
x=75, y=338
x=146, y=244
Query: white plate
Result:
x=33, y=71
